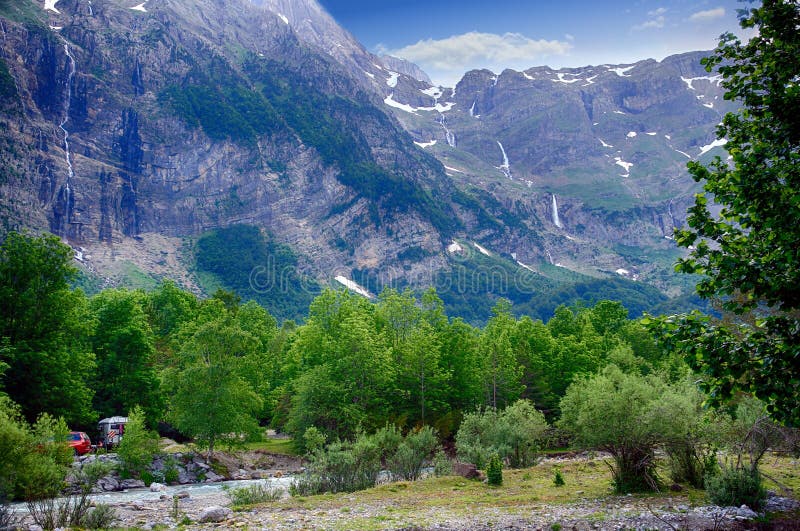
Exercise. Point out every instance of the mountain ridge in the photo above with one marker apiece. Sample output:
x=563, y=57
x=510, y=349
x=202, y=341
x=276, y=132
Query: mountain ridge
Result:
x=183, y=119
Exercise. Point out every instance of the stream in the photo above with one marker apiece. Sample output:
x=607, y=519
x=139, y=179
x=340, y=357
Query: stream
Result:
x=197, y=492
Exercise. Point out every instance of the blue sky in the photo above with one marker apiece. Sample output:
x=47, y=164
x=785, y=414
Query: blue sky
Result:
x=447, y=38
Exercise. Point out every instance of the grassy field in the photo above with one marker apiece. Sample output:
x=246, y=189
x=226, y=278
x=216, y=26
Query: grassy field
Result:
x=524, y=493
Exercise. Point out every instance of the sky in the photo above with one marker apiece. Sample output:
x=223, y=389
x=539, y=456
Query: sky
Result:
x=447, y=38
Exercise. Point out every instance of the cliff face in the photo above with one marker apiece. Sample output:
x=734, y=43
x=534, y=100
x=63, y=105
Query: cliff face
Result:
x=126, y=127
x=124, y=121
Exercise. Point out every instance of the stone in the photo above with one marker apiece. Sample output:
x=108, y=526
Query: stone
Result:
x=185, y=477
x=132, y=484
x=745, y=513
x=676, y=487
x=35, y=527
x=214, y=514
x=213, y=477
x=108, y=483
x=466, y=470
x=157, y=487
x=182, y=494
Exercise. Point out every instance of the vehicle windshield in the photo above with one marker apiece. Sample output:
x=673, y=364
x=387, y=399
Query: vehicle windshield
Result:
x=74, y=437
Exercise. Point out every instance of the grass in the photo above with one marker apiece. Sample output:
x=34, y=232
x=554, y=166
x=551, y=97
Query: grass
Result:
x=524, y=492
x=274, y=446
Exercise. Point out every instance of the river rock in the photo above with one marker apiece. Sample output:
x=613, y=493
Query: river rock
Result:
x=131, y=484
x=212, y=477
x=745, y=513
x=182, y=494
x=215, y=513
x=157, y=487
x=466, y=470
x=108, y=483
x=185, y=477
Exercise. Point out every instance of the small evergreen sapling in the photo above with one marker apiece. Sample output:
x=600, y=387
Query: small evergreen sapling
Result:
x=494, y=472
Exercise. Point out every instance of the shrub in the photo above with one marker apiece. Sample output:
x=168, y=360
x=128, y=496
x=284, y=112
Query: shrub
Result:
x=101, y=517
x=627, y=415
x=138, y=446
x=171, y=474
x=254, y=494
x=442, y=465
x=494, y=472
x=341, y=467
x=558, y=479
x=735, y=486
x=412, y=453
x=514, y=434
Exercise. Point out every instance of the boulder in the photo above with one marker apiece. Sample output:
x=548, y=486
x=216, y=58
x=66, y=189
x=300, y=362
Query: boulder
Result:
x=182, y=495
x=157, y=487
x=108, y=483
x=132, y=484
x=215, y=513
x=466, y=470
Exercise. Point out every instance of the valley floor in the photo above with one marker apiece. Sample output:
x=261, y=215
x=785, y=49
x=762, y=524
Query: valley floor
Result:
x=527, y=500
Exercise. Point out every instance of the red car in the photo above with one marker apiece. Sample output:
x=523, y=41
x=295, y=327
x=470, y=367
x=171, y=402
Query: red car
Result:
x=79, y=442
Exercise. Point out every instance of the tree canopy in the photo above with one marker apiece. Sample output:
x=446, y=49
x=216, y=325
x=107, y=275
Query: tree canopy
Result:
x=748, y=252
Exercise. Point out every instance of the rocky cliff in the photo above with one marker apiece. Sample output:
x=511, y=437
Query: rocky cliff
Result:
x=127, y=127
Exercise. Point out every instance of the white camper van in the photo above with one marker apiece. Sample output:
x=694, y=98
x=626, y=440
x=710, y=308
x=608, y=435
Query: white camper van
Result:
x=111, y=430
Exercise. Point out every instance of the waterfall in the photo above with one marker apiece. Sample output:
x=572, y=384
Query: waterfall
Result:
x=556, y=219
x=67, y=101
x=448, y=135
x=505, y=167
x=472, y=109
x=91, y=12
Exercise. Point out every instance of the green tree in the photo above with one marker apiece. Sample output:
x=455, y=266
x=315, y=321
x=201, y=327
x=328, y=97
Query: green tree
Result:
x=747, y=253
x=139, y=445
x=629, y=416
x=123, y=346
x=44, y=327
x=502, y=373
x=211, y=399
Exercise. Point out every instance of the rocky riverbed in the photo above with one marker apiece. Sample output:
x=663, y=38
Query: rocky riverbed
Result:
x=419, y=505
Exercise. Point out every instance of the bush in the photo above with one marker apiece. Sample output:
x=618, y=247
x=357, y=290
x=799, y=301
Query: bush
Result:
x=558, y=479
x=254, y=494
x=629, y=416
x=513, y=434
x=442, y=465
x=341, y=467
x=101, y=517
x=494, y=472
x=736, y=486
x=412, y=453
x=138, y=446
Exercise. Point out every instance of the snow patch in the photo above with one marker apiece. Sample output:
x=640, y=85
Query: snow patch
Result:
x=711, y=79
x=709, y=105
x=482, y=249
x=454, y=247
x=425, y=144
x=651, y=134
x=562, y=80
x=631, y=134
x=626, y=165
x=389, y=100
x=50, y=5
x=56, y=28
x=716, y=143
x=668, y=137
x=528, y=76
x=604, y=144
x=392, y=79
x=623, y=272
x=529, y=268
x=352, y=286
x=283, y=18
x=683, y=153
x=140, y=7
x=370, y=74
x=620, y=71
x=589, y=81
x=433, y=92
x=448, y=168
x=618, y=112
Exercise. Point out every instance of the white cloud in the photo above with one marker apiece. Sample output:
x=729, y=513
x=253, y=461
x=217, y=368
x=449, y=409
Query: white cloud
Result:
x=657, y=12
x=655, y=23
x=708, y=15
x=570, y=37
x=445, y=60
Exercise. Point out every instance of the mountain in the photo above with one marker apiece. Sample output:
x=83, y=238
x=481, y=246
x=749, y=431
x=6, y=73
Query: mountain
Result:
x=131, y=129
